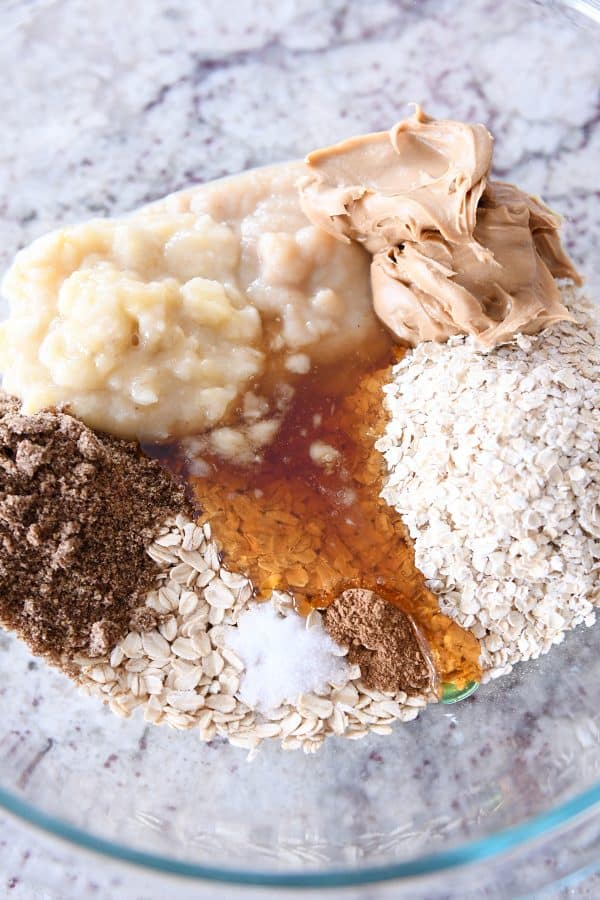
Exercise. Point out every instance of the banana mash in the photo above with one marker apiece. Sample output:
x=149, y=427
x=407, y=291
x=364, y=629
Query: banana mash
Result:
x=161, y=323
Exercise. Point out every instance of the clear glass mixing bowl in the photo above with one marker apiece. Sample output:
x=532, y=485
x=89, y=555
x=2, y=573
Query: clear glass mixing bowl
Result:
x=107, y=106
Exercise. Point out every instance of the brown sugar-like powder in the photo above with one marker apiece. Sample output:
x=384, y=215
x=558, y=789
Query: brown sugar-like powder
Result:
x=382, y=640
x=77, y=510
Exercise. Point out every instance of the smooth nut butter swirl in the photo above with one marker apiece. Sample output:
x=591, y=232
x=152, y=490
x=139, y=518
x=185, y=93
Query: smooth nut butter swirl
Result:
x=453, y=252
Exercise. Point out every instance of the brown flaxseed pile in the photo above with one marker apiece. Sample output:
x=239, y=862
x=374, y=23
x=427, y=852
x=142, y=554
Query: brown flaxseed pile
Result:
x=77, y=511
x=381, y=639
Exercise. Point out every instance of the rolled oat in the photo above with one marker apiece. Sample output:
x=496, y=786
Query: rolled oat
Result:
x=494, y=464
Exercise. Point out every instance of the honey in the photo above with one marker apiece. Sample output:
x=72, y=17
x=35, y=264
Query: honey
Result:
x=294, y=524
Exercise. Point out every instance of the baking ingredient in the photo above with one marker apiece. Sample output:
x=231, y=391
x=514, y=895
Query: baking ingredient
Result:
x=454, y=253
x=391, y=186
x=184, y=675
x=283, y=658
x=76, y=513
x=382, y=640
x=494, y=464
x=161, y=323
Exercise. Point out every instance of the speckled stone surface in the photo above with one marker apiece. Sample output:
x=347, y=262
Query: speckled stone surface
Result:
x=124, y=112
x=104, y=110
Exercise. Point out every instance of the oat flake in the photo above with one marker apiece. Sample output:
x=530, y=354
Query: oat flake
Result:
x=494, y=464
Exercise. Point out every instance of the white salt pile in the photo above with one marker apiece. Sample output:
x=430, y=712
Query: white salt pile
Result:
x=494, y=464
x=284, y=656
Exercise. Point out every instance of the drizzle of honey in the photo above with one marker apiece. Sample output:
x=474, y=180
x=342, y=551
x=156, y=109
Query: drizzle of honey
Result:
x=291, y=524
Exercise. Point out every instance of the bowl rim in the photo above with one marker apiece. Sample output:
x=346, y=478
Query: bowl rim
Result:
x=470, y=852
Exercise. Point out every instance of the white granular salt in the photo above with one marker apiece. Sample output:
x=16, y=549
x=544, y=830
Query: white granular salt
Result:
x=494, y=464
x=283, y=658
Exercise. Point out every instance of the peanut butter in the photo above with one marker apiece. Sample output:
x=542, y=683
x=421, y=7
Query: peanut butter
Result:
x=452, y=251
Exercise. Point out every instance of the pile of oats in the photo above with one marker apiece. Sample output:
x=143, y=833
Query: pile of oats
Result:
x=494, y=464
x=183, y=674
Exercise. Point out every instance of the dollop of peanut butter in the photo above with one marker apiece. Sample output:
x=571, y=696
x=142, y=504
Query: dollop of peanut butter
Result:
x=452, y=251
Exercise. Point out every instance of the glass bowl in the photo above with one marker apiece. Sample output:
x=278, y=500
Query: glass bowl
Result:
x=104, y=112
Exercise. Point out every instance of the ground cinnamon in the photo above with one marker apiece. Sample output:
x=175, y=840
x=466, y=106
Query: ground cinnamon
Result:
x=382, y=640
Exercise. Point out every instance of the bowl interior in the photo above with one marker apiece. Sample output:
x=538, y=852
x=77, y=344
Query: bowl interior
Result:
x=115, y=112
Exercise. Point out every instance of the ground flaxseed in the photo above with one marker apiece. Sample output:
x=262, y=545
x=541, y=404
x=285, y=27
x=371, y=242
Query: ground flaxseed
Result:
x=77, y=511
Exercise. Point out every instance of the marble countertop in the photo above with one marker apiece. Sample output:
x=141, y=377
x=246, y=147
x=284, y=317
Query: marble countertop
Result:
x=179, y=93
x=106, y=110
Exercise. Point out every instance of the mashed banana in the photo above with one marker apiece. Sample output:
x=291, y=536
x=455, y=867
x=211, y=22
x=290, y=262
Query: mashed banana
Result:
x=160, y=323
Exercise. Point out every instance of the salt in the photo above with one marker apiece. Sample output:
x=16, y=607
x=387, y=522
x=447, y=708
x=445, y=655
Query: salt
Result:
x=283, y=658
